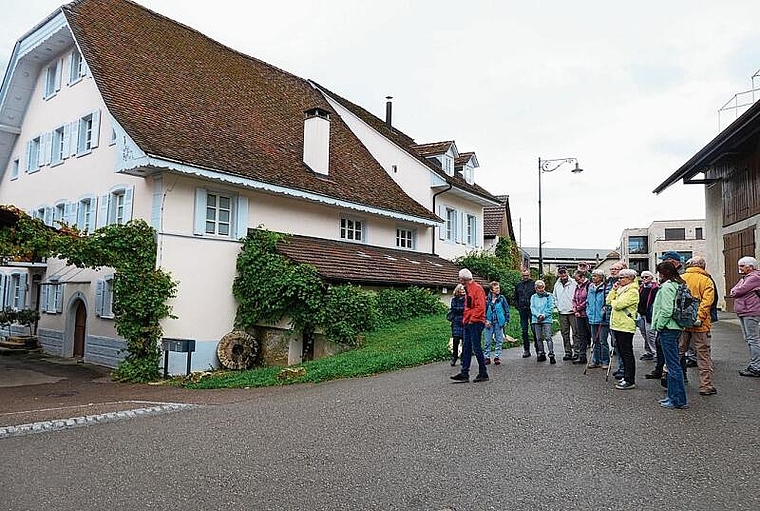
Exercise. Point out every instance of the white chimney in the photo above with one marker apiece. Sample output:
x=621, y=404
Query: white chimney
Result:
x=316, y=140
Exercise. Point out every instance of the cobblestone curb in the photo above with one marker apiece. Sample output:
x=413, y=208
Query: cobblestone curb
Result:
x=88, y=420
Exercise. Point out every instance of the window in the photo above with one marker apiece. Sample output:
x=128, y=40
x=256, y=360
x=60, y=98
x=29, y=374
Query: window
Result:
x=472, y=230
x=58, y=147
x=451, y=224
x=447, y=164
x=698, y=233
x=87, y=133
x=33, y=155
x=469, y=174
x=638, y=244
x=351, y=229
x=59, y=213
x=15, y=291
x=14, y=169
x=405, y=238
x=52, y=79
x=639, y=265
x=77, y=69
x=115, y=206
x=218, y=214
x=39, y=213
x=675, y=234
x=86, y=214
x=51, y=296
x=104, y=297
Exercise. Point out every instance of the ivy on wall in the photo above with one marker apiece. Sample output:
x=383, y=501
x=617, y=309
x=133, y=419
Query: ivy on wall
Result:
x=141, y=291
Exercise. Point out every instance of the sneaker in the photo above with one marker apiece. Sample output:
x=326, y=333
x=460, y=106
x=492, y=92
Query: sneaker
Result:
x=497, y=361
x=479, y=378
x=664, y=400
x=568, y=356
x=710, y=392
x=654, y=375
x=453, y=361
x=488, y=360
x=647, y=356
x=552, y=360
x=605, y=366
x=752, y=373
x=593, y=365
x=618, y=376
x=459, y=377
x=690, y=362
x=541, y=357
x=672, y=406
x=526, y=354
x=624, y=385
x=575, y=356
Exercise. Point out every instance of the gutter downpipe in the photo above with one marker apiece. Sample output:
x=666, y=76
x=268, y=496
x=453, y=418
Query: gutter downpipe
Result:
x=434, y=197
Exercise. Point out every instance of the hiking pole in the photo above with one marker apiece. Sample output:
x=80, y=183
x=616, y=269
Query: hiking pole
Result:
x=613, y=353
x=593, y=345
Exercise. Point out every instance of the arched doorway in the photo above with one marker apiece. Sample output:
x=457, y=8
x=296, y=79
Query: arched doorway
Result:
x=80, y=324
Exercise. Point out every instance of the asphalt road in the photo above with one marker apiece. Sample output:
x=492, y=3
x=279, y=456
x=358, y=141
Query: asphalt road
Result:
x=535, y=437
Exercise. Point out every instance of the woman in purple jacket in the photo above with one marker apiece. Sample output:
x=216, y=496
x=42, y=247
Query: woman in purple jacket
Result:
x=746, y=294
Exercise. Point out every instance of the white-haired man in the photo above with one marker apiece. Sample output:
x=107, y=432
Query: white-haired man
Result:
x=746, y=294
x=474, y=320
x=701, y=287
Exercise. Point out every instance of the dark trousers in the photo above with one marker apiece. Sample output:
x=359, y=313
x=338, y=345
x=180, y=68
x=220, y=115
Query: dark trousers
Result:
x=660, y=357
x=473, y=338
x=584, y=334
x=525, y=319
x=624, y=342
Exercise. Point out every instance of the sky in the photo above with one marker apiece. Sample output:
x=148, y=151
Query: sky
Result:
x=631, y=90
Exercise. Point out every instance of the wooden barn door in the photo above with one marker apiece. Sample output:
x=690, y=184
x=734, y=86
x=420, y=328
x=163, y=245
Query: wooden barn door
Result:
x=735, y=246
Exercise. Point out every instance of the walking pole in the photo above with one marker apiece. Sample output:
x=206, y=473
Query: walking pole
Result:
x=593, y=345
x=613, y=353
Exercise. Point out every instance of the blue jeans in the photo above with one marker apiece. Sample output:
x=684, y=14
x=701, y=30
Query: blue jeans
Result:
x=494, y=333
x=472, y=335
x=676, y=388
x=599, y=334
x=543, y=333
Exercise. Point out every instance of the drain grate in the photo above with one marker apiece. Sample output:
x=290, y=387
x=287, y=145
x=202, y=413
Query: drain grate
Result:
x=63, y=393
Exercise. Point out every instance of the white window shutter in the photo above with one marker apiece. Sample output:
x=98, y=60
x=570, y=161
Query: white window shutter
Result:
x=103, y=211
x=99, y=297
x=95, y=128
x=28, y=157
x=41, y=151
x=59, y=298
x=74, y=140
x=58, y=71
x=85, y=67
x=460, y=231
x=128, y=193
x=8, y=289
x=44, y=297
x=70, y=213
x=3, y=283
x=48, y=215
x=66, y=141
x=475, y=234
x=442, y=226
x=241, y=218
x=199, y=227
x=21, y=304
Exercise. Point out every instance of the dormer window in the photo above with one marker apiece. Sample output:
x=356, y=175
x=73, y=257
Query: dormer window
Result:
x=447, y=164
x=53, y=79
x=76, y=70
x=469, y=174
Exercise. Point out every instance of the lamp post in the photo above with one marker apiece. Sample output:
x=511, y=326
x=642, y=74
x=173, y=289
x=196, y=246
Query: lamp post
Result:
x=548, y=166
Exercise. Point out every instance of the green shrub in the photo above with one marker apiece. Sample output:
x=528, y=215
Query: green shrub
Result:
x=400, y=304
x=348, y=311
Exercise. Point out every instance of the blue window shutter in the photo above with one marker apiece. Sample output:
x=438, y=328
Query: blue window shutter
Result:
x=459, y=216
x=128, y=193
x=103, y=211
x=475, y=232
x=66, y=140
x=200, y=212
x=99, y=298
x=95, y=129
x=3, y=283
x=28, y=157
x=22, y=292
x=70, y=213
x=74, y=138
x=48, y=215
x=59, y=297
x=58, y=71
x=46, y=144
x=241, y=218
x=44, y=297
x=442, y=226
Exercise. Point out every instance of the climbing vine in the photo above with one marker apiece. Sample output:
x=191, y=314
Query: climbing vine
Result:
x=141, y=291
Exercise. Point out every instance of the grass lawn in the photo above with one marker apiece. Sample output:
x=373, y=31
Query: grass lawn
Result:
x=404, y=344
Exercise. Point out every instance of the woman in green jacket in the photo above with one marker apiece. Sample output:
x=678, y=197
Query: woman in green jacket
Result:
x=669, y=332
x=624, y=300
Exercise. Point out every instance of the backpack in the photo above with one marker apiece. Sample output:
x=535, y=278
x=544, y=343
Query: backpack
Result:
x=685, y=307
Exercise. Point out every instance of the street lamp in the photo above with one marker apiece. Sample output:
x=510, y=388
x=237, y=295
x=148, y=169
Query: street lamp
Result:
x=549, y=166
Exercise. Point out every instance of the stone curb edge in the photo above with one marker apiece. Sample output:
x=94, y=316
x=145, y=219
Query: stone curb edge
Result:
x=88, y=420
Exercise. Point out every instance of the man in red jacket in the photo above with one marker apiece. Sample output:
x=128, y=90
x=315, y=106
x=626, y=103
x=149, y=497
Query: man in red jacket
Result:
x=474, y=321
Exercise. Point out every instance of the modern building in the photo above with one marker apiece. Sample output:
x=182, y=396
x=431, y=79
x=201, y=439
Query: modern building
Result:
x=640, y=248
x=570, y=257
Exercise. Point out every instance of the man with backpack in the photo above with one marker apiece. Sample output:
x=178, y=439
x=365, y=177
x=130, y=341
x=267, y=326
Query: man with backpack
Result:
x=702, y=288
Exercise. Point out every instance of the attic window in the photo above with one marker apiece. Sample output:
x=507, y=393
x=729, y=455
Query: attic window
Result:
x=447, y=164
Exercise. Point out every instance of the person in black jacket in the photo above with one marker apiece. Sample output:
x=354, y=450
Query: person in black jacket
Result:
x=523, y=291
x=455, y=315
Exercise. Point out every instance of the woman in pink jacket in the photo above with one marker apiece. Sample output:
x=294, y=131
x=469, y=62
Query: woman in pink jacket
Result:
x=746, y=294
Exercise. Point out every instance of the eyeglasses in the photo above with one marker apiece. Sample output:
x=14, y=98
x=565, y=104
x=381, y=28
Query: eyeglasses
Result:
x=626, y=277
x=646, y=277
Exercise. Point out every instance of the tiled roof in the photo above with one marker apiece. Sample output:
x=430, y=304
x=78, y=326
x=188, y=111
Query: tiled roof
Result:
x=184, y=97
x=463, y=158
x=432, y=148
x=493, y=220
x=406, y=143
x=341, y=261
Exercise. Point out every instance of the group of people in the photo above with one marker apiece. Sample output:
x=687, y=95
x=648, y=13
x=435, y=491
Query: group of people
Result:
x=603, y=312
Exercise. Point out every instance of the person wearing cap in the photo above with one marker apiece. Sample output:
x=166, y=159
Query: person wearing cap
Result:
x=564, y=290
x=523, y=291
x=675, y=259
x=746, y=295
x=624, y=300
x=647, y=291
x=474, y=321
x=585, y=268
x=702, y=288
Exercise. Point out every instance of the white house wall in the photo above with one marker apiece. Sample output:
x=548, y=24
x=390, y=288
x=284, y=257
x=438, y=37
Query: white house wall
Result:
x=714, y=260
x=453, y=249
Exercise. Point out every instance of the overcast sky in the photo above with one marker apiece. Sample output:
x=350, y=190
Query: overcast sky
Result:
x=630, y=90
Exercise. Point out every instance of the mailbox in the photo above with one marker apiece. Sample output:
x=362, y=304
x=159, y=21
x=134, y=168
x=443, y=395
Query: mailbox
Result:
x=179, y=345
